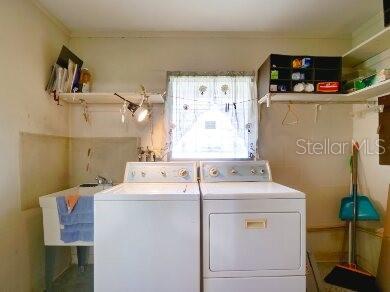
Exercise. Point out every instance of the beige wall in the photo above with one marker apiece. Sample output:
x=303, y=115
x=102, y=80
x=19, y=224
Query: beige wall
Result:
x=29, y=44
x=105, y=121
x=108, y=157
x=44, y=161
x=123, y=63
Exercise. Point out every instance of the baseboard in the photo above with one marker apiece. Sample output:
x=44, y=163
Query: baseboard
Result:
x=368, y=245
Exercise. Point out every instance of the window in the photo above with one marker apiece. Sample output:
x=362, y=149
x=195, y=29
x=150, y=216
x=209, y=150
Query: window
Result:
x=212, y=117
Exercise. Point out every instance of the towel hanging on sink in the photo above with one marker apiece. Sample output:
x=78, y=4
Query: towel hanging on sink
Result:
x=82, y=212
x=78, y=224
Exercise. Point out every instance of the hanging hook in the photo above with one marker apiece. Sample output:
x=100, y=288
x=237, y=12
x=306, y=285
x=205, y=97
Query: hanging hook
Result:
x=123, y=112
x=378, y=130
x=86, y=114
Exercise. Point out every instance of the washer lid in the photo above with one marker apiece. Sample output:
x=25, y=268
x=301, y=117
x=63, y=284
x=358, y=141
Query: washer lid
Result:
x=248, y=190
x=151, y=192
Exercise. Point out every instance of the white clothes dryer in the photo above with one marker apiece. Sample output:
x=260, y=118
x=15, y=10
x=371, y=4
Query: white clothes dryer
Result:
x=254, y=230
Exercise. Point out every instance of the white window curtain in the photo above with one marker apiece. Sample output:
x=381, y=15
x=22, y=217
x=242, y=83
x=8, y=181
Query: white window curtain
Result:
x=211, y=117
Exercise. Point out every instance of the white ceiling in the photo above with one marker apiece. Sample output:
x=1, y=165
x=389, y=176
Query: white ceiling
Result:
x=322, y=17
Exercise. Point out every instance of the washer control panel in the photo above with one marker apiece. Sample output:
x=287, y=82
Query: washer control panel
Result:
x=149, y=172
x=225, y=171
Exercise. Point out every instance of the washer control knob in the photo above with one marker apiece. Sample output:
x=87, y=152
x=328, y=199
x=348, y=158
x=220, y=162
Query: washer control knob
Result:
x=253, y=171
x=262, y=171
x=183, y=172
x=233, y=171
x=163, y=173
x=143, y=173
x=213, y=172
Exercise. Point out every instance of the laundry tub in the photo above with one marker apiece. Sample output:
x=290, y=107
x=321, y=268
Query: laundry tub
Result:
x=51, y=222
x=51, y=230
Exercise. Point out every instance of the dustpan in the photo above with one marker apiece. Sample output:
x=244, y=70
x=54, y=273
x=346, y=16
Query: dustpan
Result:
x=349, y=275
x=365, y=209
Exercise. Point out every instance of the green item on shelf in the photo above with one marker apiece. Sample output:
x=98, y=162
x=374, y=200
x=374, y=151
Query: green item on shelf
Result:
x=359, y=84
x=369, y=80
x=365, y=79
x=274, y=74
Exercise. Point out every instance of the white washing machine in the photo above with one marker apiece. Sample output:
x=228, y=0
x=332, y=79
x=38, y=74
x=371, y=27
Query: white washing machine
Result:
x=147, y=230
x=254, y=230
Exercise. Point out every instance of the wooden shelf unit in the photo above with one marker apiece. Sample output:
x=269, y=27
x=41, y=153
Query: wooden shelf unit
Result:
x=321, y=69
x=368, y=49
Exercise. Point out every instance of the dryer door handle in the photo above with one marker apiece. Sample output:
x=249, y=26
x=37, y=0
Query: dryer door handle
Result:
x=256, y=223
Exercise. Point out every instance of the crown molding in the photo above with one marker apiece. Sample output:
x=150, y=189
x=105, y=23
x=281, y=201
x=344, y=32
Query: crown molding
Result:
x=52, y=18
x=204, y=34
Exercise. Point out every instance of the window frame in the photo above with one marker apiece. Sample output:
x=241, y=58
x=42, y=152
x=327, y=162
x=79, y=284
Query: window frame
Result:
x=216, y=74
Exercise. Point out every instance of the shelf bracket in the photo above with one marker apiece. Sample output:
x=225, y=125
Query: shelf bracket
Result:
x=369, y=109
x=265, y=99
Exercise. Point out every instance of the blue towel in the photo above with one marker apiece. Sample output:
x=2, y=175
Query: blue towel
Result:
x=77, y=232
x=78, y=224
x=81, y=213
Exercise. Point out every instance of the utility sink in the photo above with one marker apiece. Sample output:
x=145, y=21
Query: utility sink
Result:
x=88, y=185
x=51, y=223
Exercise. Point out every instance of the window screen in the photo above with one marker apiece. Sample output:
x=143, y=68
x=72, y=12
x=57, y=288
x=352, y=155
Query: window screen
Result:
x=212, y=117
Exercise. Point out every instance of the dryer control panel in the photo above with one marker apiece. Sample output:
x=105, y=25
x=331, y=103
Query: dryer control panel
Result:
x=225, y=171
x=156, y=172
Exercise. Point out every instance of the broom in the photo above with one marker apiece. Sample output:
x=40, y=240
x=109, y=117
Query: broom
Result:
x=349, y=275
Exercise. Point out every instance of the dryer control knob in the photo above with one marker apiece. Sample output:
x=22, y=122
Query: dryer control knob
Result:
x=213, y=172
x=163, y=173
x=262, y=171
x=253, y=171
x=183, y=172
x=233, y=171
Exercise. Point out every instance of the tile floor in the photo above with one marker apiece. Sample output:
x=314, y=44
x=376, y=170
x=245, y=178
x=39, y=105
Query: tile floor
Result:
x=324, y=269
x=74, y=281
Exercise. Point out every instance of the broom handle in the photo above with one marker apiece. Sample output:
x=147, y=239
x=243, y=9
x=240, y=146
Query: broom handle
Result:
x=349, y=242
x=354, y=194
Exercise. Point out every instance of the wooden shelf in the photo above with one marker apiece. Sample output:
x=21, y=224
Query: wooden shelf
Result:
x=361, y=96
x=320, y=68
x=368, y=49
x=108, y=97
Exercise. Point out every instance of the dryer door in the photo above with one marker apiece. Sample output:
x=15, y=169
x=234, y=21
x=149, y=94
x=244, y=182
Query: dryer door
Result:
x=255, y=241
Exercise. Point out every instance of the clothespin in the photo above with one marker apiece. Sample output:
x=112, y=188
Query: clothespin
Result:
x=317, y=108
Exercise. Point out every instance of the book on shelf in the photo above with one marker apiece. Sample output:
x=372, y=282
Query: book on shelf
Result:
x=65, y=74
x=69, y=76
x=50, y=83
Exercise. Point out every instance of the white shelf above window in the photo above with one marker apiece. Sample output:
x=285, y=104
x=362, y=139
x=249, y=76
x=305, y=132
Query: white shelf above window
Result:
x=360, y=96
x=108, y=97
x=368, y=49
